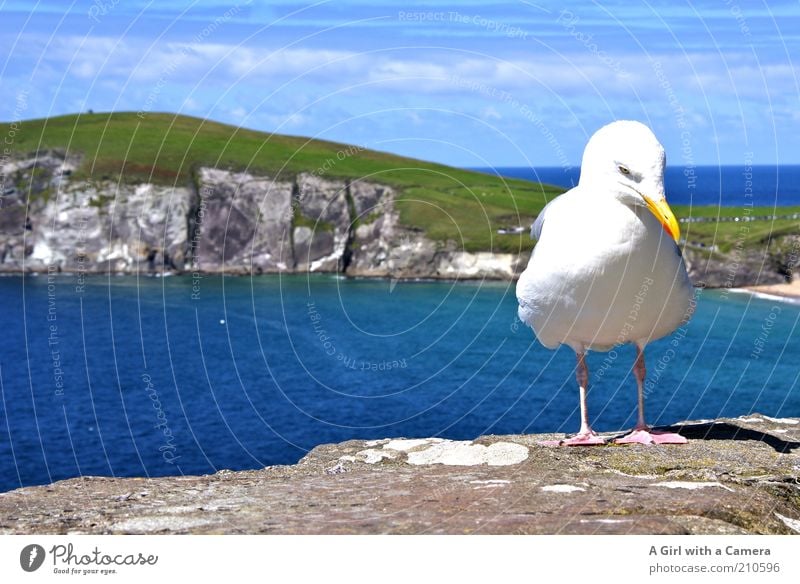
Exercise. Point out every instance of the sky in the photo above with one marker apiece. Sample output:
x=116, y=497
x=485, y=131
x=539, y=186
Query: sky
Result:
x=471, y=84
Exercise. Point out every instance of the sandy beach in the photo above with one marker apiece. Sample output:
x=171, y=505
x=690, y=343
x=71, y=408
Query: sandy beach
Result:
x=790, y=290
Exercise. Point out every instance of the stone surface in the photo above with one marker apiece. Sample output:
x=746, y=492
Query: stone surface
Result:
x=735, y=476
x=245, y=225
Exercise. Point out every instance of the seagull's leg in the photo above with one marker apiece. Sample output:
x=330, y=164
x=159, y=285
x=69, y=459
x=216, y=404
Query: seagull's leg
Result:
x=640, y=372
x=585, y=436
x=642, y=434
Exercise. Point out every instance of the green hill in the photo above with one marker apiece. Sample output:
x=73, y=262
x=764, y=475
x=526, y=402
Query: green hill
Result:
x=446, y=203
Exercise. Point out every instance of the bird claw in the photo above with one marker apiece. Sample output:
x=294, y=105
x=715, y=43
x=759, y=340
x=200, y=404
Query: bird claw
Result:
x=645, y=436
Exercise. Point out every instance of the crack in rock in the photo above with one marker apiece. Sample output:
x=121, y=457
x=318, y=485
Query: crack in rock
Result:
x=692, y=485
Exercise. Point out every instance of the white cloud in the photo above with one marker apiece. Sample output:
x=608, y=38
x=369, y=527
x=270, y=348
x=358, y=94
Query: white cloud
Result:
x=490, y=113
x=576, y=75
x=415, y=118
x=190, y=104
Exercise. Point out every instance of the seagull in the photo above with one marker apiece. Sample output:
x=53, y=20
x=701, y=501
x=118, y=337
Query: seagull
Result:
x=606, y=269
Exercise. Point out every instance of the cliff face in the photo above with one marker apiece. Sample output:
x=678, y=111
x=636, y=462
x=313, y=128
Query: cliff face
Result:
x=735, y=476
x=224, y=221
x=240, y=223
x=48, y=221
x=771, y=265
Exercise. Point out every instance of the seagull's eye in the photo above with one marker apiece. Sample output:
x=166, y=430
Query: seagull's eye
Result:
x=624, y=170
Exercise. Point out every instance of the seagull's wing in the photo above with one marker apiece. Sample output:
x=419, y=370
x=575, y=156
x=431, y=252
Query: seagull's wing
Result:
x=536, y=228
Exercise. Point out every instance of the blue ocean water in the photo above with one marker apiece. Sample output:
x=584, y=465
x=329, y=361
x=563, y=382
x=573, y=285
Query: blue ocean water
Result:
x=729, y=186
x=161, y=376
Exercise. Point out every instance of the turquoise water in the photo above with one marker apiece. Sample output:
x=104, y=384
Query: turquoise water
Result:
x=160, y=376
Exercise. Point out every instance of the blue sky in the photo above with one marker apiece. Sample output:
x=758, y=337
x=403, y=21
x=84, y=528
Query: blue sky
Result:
x=469, y=83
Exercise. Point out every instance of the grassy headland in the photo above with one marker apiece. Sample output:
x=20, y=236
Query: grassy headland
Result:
x=446, y=203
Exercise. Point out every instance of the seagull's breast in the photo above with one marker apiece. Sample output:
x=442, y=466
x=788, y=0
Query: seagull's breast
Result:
x=603, y=273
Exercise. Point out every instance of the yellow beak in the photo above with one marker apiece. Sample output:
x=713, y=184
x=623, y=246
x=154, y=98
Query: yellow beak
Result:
x=664, y=214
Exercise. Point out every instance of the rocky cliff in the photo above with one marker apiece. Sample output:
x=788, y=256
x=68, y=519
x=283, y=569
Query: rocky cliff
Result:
x=735, y=476
x=774, y=263
x=223, y=221
x=235, y=222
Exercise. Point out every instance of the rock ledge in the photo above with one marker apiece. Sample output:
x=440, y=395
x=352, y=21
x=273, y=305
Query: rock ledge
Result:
x=735, y=476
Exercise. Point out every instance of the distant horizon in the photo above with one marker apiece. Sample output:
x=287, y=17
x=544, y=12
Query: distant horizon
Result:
x=728, y=185
x=722, y=165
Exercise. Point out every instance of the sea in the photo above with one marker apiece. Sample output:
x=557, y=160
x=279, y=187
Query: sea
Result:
x=727, y=186
x=154, y=376
x=127, y=376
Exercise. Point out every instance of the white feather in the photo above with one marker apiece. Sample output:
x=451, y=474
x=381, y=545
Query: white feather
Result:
x=604, y=270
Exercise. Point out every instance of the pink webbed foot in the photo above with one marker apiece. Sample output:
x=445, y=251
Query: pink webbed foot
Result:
x=647, y=436
x=583, y=439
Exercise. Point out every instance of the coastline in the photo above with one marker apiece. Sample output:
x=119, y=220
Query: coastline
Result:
x=789, y=291
x=784, y=291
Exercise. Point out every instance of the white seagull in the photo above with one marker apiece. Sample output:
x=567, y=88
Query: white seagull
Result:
x=606, y=269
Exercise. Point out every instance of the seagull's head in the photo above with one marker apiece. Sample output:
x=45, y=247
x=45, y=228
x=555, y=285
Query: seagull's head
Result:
x=627, y=159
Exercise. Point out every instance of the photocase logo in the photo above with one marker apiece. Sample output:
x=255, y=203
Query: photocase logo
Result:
x=31, y=557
